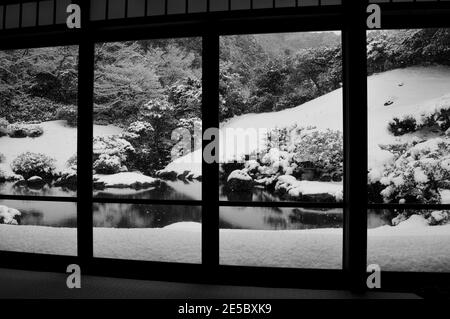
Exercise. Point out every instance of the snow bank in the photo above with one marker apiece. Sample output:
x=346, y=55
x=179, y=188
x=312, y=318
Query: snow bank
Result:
x=125, y=180
x=59, y=141
x=411, y=247
x=295, y=188
x=7, y=215
x=39, y=239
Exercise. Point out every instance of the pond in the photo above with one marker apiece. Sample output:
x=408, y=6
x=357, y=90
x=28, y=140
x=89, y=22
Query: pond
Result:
x=60, y=214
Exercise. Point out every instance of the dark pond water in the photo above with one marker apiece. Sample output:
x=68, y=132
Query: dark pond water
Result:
x=9, y=188
x=167, y=190
x=59, y=214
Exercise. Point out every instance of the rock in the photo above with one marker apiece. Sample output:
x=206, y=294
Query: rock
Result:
x=68, y=179
x=438, y=218
x=400, y=218
x=169, y=175
x=123, y=169
x=9, y=215
x=239, y=181
x=401, y=84
x=325, y=178
x=389, y=102
x=35, y=182
x=134, y=180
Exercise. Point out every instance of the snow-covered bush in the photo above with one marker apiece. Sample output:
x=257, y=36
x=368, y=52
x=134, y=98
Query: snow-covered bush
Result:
x=108, y=164
x=439, y=217
x=140, y=128
x=402, y=126
x=3, y=126
x=324, y=149
x=9, y=215
x=111, y=154
x=72, y=162
x=33, y=164
x=23, y=130
x=300, y=148
x=68, y=113
x=418, y=173
x=435, y=114
x=112, y=145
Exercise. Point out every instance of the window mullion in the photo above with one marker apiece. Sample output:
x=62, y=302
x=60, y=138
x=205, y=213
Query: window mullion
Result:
x=355, y=141
x=84, y=142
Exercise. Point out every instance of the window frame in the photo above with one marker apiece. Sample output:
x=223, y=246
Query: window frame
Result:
x=349, y=18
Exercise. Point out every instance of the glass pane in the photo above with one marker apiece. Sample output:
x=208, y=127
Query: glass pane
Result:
x=61, y=7
x=136, y=8
x=98, y=9
x=38, y=227
x=29, y=14
x=281, y=237
x=197, y=6
x=409, y=240
x=116, y=9
x=285, y=3
x=176, y=6
x=262, y=4
x=240, y=4
x=408, y=107
x=307, y=3
x=152, y=233
x=38, y=121
x=12, y=16
x=147, y=133
x=1, y=16
x=45, y=12
x=281, y=117
x=218, y=5
x=155, y=7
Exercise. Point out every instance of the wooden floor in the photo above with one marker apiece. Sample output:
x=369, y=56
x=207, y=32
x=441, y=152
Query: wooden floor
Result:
x=28, y=284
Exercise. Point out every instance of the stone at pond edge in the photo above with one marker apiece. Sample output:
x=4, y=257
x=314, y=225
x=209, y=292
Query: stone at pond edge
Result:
x=239, y=181
x=35, y=182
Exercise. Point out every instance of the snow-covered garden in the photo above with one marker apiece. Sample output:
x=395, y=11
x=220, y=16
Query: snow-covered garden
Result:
x=281, y=139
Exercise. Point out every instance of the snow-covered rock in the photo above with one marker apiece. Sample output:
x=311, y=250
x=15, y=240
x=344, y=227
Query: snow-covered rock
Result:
x=239, y=181
x=124, y=180
x=35, y=182
x=9, y=215
x=68, y=179
x=439, y=217
x=309, y=190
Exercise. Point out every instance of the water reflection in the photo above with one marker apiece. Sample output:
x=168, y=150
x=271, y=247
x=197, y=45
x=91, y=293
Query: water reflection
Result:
x=166, y=190
x=11, y=188
x=143, y=216
x=41, y=213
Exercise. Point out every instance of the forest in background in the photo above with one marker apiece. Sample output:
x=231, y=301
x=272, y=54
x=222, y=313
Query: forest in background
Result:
x=158, y=82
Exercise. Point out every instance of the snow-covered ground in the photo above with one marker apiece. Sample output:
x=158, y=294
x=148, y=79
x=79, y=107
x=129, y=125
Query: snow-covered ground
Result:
x=411, y=246
x=59, y=141
x=412, y=90
x=125, y=180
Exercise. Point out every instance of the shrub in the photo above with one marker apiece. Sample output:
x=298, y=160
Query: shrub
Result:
x=418, y=174
x=72, y=162
x=107, y=164
x=27, y=108
x=399, y=127
x=33, y=164
x=68, y=113
x=19, y=130
x=3, y=126
x=112, y=145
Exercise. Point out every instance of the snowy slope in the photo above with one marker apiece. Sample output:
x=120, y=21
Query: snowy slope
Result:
x=413, y=247
x=412, y=90
x=59, y=141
